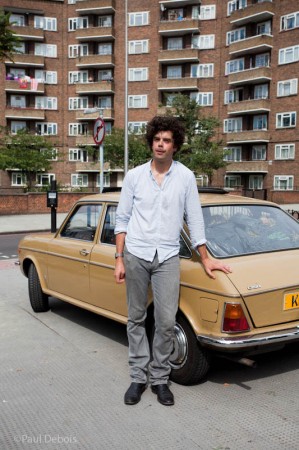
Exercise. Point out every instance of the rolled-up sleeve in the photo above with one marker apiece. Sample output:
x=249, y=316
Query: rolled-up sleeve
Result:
x=194, y=216
x=124, y=208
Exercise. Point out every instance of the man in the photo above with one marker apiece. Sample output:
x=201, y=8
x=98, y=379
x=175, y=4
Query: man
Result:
x=154, y=198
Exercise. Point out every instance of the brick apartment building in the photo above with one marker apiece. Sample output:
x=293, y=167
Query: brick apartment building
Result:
x=239, y=59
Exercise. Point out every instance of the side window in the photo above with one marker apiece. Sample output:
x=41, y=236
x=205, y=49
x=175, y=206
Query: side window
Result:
x=108, y=236
x=185, y=251
x=83, y=223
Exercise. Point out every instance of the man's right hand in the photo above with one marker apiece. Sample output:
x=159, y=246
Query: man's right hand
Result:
x=119, y=272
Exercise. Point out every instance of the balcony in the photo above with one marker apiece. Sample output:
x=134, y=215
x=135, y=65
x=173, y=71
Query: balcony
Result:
x=260, y=43
x=88, y=167
x=244, y=137
x=24, y=59
x=95, y=7
x=248, y=167
x=24, y=113
x=179, y=55
x=250, y=76
x=94, y=34
x=178, y=27
x=98, y=87
x=249, y=106
x=84, y=140
x=95, y=61
x=179, y=84
x=178, y=3
x=108, y=114
x=257, y=12
x=28, y=33
x=14, y=86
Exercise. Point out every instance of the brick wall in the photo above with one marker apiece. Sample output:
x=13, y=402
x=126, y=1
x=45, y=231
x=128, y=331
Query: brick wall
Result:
x=36, y=203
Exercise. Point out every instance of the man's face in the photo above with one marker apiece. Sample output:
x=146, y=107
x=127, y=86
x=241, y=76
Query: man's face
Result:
x=163, y=146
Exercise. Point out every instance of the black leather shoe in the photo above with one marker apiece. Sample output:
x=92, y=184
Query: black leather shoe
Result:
x=164, y=395
x=133, y=394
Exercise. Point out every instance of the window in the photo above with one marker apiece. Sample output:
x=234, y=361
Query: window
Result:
x=82, y=224
x=18, y=101
x=232, y=125
x=45, y=23
x=207, y=12
x=108, y=236
x=288, y=55
x=234, y=5
x=202, y=70
x=235, y=35
x=46, y=128
x=45, y=102
x=231, y=181
x=17, y=20
x=137, y=47
x=18, y=179
x=48, y=50
x=15, y=126
x=138, y=19
x=79, y=180
x=138, y=74
x=175, y=43
x=255, y=182
x=51, y=154
x=78, y=129
x=261, y=91
x=203, y=41
x=236, y=65
x=105, y=49
x=286, y=120
x=260, y=122
x=105, y=21
x=289, y=21
x=20, y=73
x=233, y=96
x=78, y=154
x=136, y=127
x=46, y=76
x=78, y=50
x=235, y=154
x=283, y=182
x=80, y=76
x=44, y=179
x=262, y=60
x=287, y=87
x=258, y=153
x=106, y=180
x=175, y=14
x=105, y=75
x=285, y=151
x=203, y=98
x=78, y=103
x=78, y=22
x=137, y=101
x=104, y=102
x=174, y=72
x=263, y=28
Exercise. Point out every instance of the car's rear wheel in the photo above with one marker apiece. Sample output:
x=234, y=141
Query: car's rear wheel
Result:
x=189, y=361
x=38, y=300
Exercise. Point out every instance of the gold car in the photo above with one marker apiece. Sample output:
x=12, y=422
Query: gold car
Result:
x=254, y=309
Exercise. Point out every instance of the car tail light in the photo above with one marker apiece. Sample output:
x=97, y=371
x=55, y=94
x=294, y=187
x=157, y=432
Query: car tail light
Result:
x=234, y=319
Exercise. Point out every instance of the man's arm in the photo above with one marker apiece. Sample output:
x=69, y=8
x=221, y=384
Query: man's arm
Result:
x=209, y=264
x=119, y=272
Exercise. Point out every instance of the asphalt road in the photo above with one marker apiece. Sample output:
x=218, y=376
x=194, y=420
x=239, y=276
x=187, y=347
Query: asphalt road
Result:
x=64, y=373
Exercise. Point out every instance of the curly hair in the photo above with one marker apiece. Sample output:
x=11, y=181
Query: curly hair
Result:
x=166, y=123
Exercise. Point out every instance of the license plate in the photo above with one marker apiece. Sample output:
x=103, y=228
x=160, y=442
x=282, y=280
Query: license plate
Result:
x=291, y=300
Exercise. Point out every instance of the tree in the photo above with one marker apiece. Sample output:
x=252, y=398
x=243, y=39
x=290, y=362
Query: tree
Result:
x=9, y=42
x=29, y=153
x=202, y=153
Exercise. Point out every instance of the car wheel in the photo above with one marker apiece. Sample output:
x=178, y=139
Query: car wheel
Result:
x=38, y=300
x=189, y=361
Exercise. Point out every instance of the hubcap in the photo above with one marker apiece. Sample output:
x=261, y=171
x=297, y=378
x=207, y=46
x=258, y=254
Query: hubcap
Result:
x=180, y=348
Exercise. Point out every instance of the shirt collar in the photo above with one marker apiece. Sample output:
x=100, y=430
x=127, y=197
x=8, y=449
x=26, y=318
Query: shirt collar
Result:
x=171, y=168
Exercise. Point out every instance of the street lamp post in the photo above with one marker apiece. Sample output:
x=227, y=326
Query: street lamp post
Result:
x=126, y=155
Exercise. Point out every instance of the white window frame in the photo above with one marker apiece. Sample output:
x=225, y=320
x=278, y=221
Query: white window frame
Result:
x=234, y=66
x=105, y=75
x=235, y=35
x=203, y=41
x=175, y=43
x=46, y=128
x=46, y=50
x=46, y=76
x=233, y=95
x=75, y=23
x=78, y=129
x=202, y=70
x=284, y=151
x=104, y=101
x=259, y=152
x=18, y=179
x=42, y=102
x=203, y=98
x=17, y=125
x=235, y=5
x=78, y=154
x=288, y=55
x=286, y=21
x=207, y=12
x=138, y=47
x=44, y=179
x=261, y=91
x=105, y=48
x=260, y=122
x=74, y=51
x=78, y=76
x=138, y=74
x=76, y=103
x=45, y=23
x=136, y=127
x=287, y=87
x=283, y=183
x=234, y=125
x=174, y=72
x=106, y=180
x=232, y=181
x=137, y=101
x=18, y=101
x=235, y=154
x=79, y=180
x=282, y=117
x=256, y=181
x=19, y=20
x=262, y=60
x=139, y=19
x=105, y=21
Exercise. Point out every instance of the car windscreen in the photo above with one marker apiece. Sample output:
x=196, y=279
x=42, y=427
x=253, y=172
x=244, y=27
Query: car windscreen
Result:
x=233, y=230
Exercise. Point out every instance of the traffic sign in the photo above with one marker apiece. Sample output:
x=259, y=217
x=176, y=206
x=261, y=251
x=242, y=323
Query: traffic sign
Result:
x=99, y=131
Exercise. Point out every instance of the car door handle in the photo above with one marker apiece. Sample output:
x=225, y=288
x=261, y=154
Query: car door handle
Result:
x=84, y=252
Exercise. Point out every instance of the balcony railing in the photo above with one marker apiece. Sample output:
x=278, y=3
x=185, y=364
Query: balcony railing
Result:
x=28, y=33
x=248, y=166
x=178, y=27
x=95, y=61
x=94, y=33
x=24, y=113
x=261, y=42
x=250, y=76
x=177, y=3
x=257, y=12
x=97, y=87
x=249, y=106
x=108, y=114
x=177, y=83
x=95, y=7
x=247, y=136
x=14, y=86
x=26, y=59
x=180, y=55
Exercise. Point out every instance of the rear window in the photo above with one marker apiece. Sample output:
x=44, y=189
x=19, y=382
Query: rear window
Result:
x=233, y=230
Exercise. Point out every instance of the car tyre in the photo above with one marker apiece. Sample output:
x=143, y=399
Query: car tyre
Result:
x=38, y=300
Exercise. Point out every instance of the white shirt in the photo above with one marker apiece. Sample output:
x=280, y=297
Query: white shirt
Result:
x=152, y=216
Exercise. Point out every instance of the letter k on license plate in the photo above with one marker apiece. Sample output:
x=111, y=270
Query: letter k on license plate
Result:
x=291, y=300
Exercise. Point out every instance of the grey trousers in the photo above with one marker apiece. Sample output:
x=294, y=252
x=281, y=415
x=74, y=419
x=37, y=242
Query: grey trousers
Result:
x=165, y=282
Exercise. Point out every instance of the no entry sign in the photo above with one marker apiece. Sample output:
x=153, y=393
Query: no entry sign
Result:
x=99, y=131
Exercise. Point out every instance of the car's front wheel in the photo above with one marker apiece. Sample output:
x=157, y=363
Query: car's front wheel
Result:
x=38, y=300
x=189, y=361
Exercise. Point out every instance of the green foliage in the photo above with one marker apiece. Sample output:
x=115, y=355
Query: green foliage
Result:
x=9, y=42
x=27, y=152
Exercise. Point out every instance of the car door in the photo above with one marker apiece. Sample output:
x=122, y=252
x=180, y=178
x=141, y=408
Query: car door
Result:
x=70, y=250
